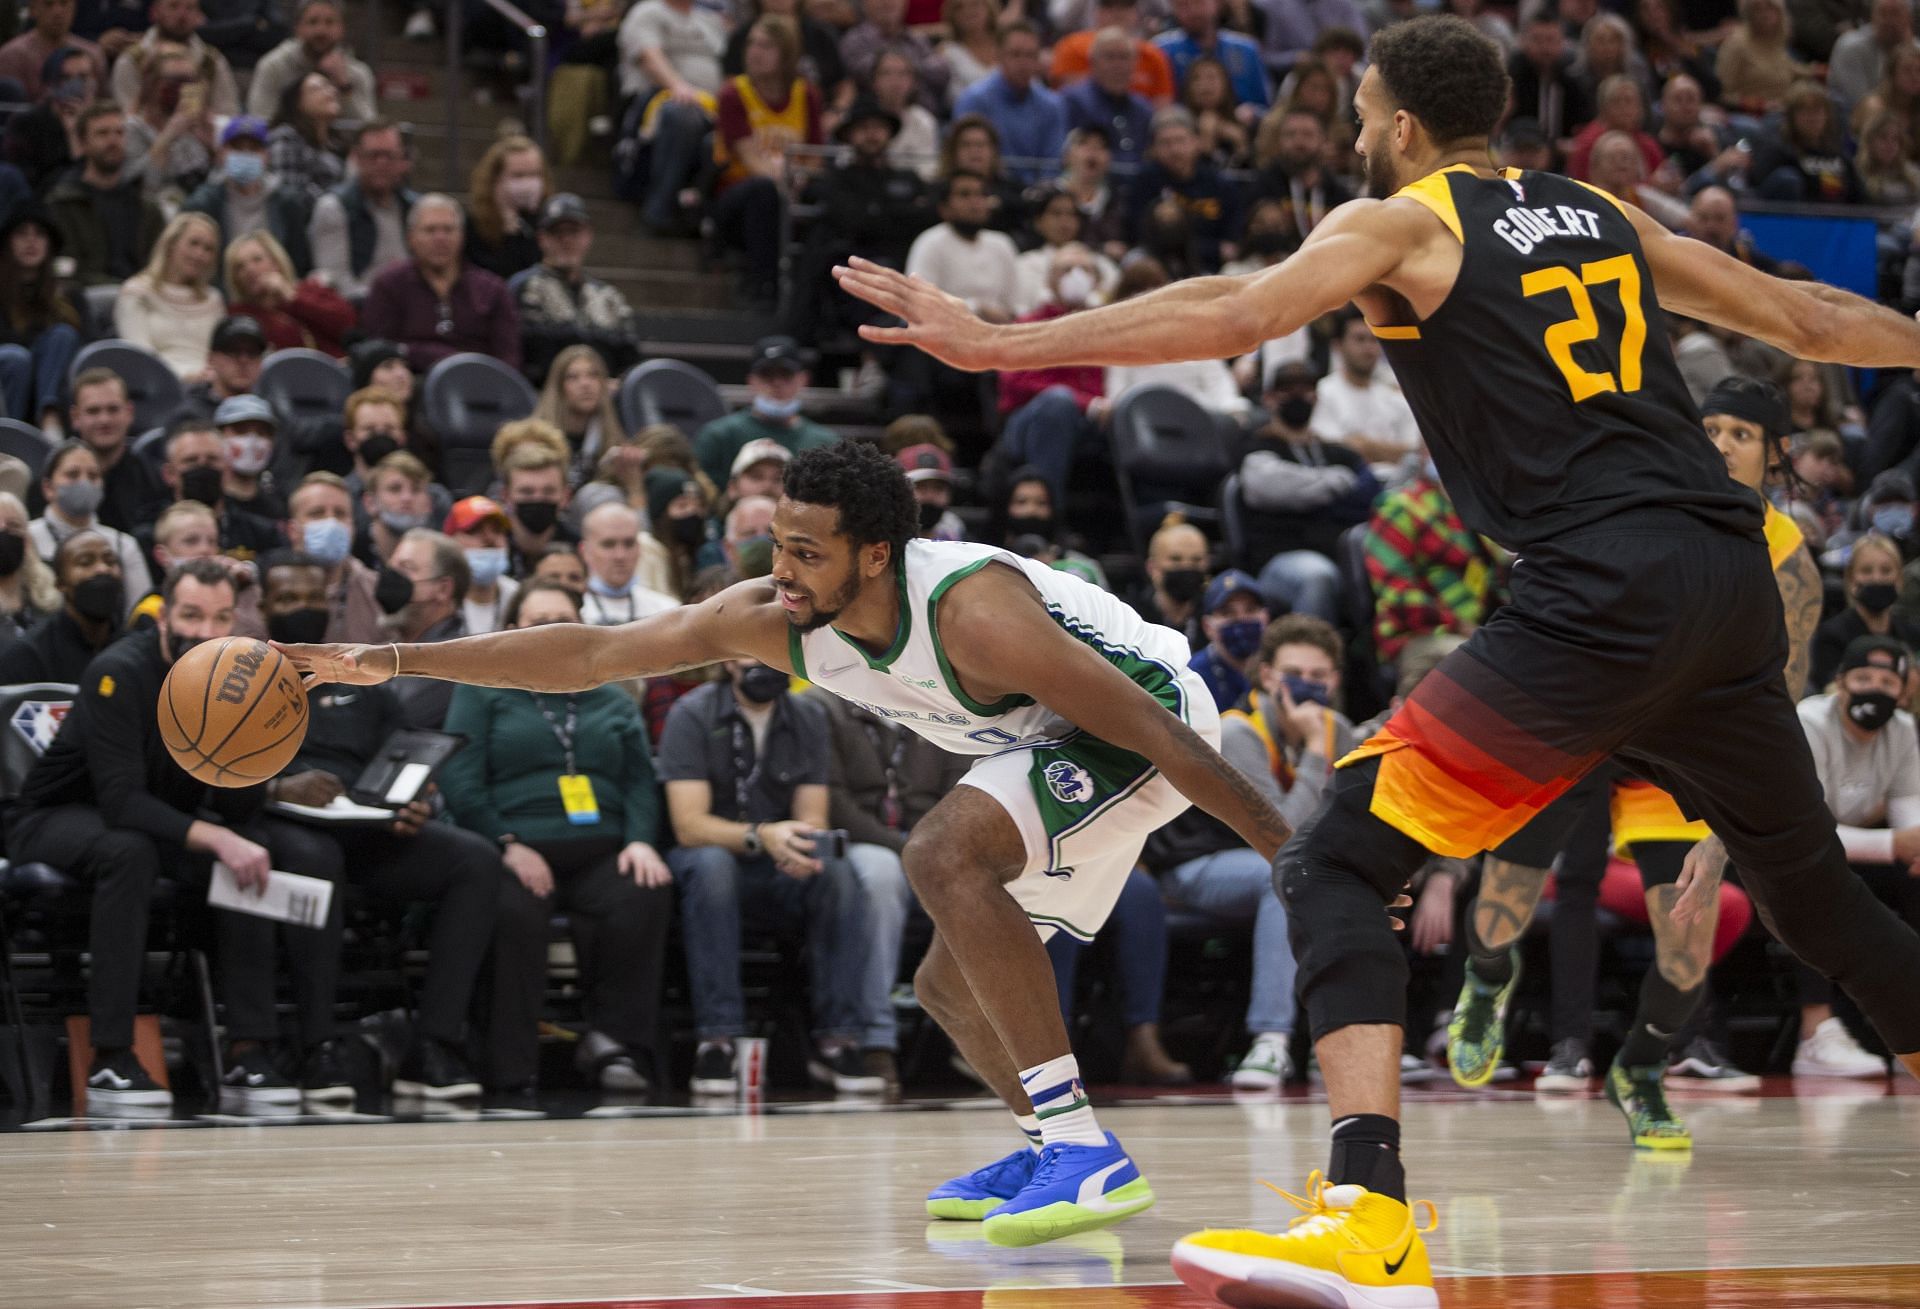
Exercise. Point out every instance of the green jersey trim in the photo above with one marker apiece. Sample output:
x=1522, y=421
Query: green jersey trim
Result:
x=797, y=652
x=1078, y=933
x=881, y=663
x=1006, y=703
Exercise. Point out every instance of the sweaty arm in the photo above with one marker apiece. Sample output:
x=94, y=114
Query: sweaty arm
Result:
x=1809, y=320
x=1002, y=641
x=1360, y=244
x=742, y=622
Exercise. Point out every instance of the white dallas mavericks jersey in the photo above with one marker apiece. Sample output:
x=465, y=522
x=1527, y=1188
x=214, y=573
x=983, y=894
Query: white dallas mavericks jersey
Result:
x=914, y=684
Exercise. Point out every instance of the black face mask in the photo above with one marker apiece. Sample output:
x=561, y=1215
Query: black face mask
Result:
x=102, y=597
x=1296, y=411
x=930, y=514
x=202, y=484
x=1871, y=710
x=1183, y=585
x=1040, y=525
x=1876, y=597
x=690, y=531
x=393, y=591
x=13, y=553
x=298, y=626
x=967, y=231
x=536, y=515
x=761, y=684
x=377, y=447
x=179, y=644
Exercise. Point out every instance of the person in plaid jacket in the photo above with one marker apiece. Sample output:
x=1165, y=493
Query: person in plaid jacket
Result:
x=1429, y=573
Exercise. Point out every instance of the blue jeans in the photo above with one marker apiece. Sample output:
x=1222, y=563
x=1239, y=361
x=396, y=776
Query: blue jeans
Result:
x=1235, y=884
x=679, y=134
x=1138, y=925
x=1302, y=582
x=883, y=884
x=715, y=884
x=1049, y=432
x=34, y=379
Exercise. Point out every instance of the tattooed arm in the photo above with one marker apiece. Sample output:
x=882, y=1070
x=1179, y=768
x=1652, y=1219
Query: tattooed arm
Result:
x=742, y=622
x=1002, y=642
x=1800, y=596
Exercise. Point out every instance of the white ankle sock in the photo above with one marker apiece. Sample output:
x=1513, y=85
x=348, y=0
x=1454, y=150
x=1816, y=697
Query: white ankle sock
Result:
x=1060, y=1103
x=1029, y=1127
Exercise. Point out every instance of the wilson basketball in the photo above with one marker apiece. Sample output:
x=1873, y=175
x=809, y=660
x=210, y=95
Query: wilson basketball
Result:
x=233, y=712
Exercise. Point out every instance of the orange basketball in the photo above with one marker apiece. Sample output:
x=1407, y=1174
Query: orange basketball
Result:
x=233, y=712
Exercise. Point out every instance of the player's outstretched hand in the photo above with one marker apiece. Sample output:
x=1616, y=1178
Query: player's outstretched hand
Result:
x=351, y=665
x=936, y=322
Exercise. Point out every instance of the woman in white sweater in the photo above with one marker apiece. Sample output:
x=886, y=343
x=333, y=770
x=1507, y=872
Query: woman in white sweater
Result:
x=172, y=306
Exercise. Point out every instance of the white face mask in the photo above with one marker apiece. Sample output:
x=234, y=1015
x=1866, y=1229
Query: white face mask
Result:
x=523, y=193
x=1076, y=286
x=248, y=455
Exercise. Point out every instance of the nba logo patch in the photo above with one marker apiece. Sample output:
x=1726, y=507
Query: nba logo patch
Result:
x=1069, y=782
x=38, y=721
x=1519, y=192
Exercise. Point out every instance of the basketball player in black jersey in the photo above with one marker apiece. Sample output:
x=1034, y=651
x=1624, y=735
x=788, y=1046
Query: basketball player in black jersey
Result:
x=1522, y=315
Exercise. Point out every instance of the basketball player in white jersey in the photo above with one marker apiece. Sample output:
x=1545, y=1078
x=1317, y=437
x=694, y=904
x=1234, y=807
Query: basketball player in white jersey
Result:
x=1090, y=729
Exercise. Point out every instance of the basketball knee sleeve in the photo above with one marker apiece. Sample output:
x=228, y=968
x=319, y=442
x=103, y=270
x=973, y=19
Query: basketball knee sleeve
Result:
x=1664, y=1010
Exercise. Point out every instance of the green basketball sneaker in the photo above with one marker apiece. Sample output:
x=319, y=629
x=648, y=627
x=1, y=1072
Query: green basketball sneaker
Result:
x=1638, y=1093
x=1478, y=1031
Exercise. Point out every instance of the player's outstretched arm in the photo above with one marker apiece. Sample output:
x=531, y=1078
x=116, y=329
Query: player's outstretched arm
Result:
x=1809, y=320
x=1001, y=639
x=740, y=622
x=1357, y=245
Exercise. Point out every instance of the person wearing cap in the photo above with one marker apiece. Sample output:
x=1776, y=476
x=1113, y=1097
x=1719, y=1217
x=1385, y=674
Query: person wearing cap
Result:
x=435, y=305
x=172, y=306
x=24, y=57
x=317, y=45
x=234, y=355
x=107, y=222
x=480, y=527
x=241, y=196
x=177, y=22
x=1106, y=100
x=776, y=377
x=763, y=110
x=1299, y=495
x=196, y=469
x=610, y=548
x=248, y=427
x=39, y=323
x=1233, y=614
x=759, y=469
x=869, y=207
x=561, y=306
x=930, y=472
x=1867, y=752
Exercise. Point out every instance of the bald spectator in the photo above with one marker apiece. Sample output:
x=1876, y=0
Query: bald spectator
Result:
x=318, y=45
x=1105, y=100
x=1859, y=59
x=434, y=574
x=24, y=57
x=1176, y=579
x=320, y=526
x=434, y=304
x=1690, y=142
x=177, y=22
x=1714, y=218
x=1073, y=53
x=610, y=548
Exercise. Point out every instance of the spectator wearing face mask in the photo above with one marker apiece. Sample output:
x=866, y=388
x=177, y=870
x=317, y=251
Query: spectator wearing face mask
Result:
x=71, y=489
x=376, y=427
x=1300, y=494
x=93, y=594
x=320, y=526
x=678, y=513
x=247, y=427
x=1176, y=578
x=394, y=503
x=1234, y=616
x=776, y=378
x=930, y=472
x=428, y=577
x=1056, y=417
x=1872, y=586
x=610, y=548
x=27, y=592
x=747, y=522
x=196, y=469
x=1867, y=753
x=480, y=527
x=1289, y=734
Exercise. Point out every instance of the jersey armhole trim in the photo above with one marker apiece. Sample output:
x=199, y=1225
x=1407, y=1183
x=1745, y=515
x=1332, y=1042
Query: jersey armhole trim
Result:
x=1435, y=191
x=1402, y=332
x=1006, y=703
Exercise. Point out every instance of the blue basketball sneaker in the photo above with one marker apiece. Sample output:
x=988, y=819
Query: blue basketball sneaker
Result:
x=969, y=1199
x=1074, y=1188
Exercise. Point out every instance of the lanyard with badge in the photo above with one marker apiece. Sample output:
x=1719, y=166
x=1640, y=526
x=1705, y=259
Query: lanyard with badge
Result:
x=576, y=788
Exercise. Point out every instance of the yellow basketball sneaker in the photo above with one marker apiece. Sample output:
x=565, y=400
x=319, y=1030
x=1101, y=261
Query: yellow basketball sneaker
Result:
x=1350, y=1249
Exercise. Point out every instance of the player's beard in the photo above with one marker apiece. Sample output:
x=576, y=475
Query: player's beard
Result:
x=838, y=601
x=1382, y=181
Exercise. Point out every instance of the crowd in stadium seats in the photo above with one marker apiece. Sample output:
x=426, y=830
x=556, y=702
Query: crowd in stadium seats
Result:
x=222, y=199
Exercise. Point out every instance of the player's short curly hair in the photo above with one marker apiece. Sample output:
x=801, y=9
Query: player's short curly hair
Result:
x=1445, y=73
x=870, y=490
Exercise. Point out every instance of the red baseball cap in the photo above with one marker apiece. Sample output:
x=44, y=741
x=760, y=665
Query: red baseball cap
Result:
x=469, y=513
x=925, y=463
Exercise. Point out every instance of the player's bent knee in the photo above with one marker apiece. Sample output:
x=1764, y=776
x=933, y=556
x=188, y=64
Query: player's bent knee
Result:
x=1351, y=969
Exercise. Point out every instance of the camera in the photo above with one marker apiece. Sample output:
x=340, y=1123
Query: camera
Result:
x=830, y=844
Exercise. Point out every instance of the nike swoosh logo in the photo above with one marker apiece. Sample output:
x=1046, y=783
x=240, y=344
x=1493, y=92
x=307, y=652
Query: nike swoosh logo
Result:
x=1394, y=1266
x=835, y=672
x=1091, y=1190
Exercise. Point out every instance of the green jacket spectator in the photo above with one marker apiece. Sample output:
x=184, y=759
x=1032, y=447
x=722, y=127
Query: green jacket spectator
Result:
x=723, y=438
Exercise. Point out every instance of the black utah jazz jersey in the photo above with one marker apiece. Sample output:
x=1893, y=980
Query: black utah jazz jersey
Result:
x=1544, y=383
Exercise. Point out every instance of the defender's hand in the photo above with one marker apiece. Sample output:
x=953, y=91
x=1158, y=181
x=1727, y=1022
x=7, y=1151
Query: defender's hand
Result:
x=350, y=665
x=936, y=322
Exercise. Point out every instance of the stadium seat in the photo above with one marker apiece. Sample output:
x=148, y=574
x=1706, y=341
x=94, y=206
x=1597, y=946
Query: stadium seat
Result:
x=302, y=385
x=152, y=387
x=669, y=391
x=151, y=445
x=1233, y=522
x=468, y=397
x=26, y=443
x=1168, y=454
